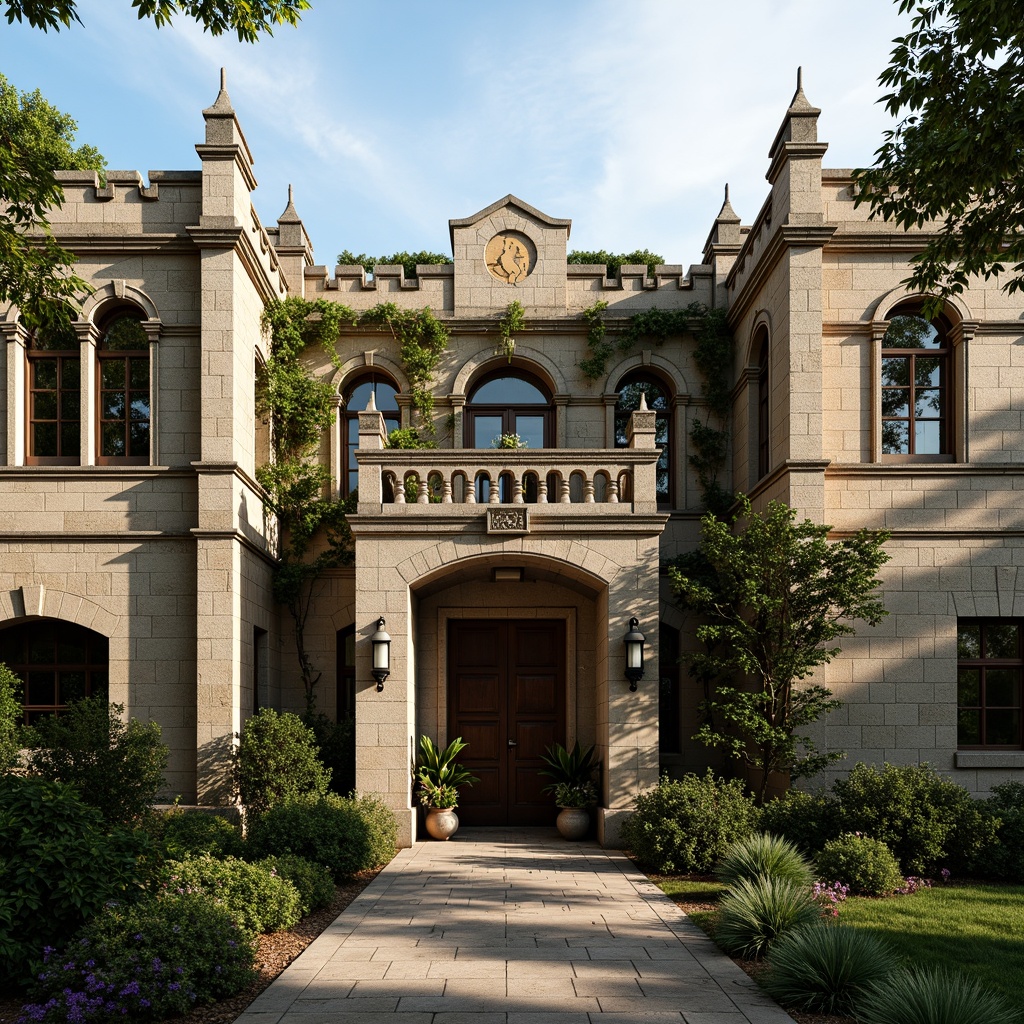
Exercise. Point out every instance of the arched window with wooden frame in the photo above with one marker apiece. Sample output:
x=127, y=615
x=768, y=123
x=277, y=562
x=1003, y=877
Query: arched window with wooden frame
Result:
x=509, y=402
x=356, y=397
x=658, y=397
x=123, y=390
x=54, y=398
x=916, y=385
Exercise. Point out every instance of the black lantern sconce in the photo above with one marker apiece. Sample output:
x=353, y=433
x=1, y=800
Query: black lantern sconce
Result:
x=634, y=641
x=381, y=642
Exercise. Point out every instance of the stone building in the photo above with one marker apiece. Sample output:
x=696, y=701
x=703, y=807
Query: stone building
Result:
x=137, y=558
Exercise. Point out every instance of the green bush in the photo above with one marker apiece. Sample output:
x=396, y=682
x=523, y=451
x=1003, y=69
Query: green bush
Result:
x=10, y=719
x=347, y=834
x=151, y=961
x=194, y=833
x=685, y=825
x=763, y=854
x=313, y=881
x=278, y=758
x=927, y=821
x=866, y=865
x=757, y=912
x=116, y=767
x=932, y=997
x=258, y=900
x=60, y=862
x=823, y=970
x=807, y=821
x=1004, y=859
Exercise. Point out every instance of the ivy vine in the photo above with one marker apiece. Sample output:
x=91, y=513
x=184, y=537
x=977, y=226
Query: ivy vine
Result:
x=712, y=355
x=422, y=341
x=510, y=323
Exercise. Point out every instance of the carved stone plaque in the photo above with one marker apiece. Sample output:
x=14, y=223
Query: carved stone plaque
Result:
x=510, y=256
x=508, y=520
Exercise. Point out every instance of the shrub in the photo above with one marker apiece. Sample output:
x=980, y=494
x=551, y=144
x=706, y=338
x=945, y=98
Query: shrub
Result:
x=763, y=854
x=932, y=997
x=194, y=833
x=59, y=864
x=277, y=758
x=312, y=881
x=10, y=719
x=823, y=970
x=145, y=962
x=685, y=825
x=347, y=834
x=927, y=821
x=866, y=865
x=116, y=767
x=808, y=821
x=757, y=912
x=1004, y=859
x=257, y=899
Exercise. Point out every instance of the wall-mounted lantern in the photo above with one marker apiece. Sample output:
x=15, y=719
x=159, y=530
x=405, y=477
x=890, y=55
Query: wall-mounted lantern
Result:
x=381, y=642
x=634, y=641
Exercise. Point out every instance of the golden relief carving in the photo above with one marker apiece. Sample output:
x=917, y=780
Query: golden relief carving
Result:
x=510, y=256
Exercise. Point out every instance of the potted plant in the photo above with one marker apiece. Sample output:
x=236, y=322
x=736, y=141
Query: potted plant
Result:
x=573, y=786
x=439, y=777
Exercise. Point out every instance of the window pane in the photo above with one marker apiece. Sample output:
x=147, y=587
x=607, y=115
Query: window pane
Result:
x=895, y=402
x=928, y=437
x=100, y=683
x=138, y=434
x=968, y=642
x=508, y=391
x=1002, y=688
x=629, y=395
x=910, y=332
x=896, y=372
x=44, y=405
x=139, y=373
x=1002, y=641
x=895, y=438
x=1002, y=728
x=531, y=430
x=383, y=396
x=928, y=403
x=71, y=649
x=140, y=406
x=927, y=372
x=968, y=687
x=44, y=439
x=41, y=688
x=112, y=373
x=44, y=373
x=125, y=333
x=69, y=373
x=72, y=686
x=113, y=440
x=112, y=405
x=485, y=430
x=70, y=405
x=968, y=731
x=70, y=435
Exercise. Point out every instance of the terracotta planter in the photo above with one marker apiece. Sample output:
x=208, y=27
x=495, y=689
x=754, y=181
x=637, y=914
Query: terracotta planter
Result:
x=573, y=823
x=442, y=822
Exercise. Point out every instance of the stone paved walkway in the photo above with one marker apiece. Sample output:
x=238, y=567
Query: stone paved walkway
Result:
x=502, y=926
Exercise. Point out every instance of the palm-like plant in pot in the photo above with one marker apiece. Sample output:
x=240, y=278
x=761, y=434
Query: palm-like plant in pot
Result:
x=572, y=772
x=439, y=776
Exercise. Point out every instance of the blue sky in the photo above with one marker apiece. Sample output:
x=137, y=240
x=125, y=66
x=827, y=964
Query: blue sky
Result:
x=391, y=118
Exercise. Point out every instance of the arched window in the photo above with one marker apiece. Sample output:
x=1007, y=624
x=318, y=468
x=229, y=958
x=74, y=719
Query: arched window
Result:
x=505, y=403
x=630, y=388
x=124, y=403
x=57, y=662
x=54, y=398
x=763, y=421
x=357, y=397
x=916, y=384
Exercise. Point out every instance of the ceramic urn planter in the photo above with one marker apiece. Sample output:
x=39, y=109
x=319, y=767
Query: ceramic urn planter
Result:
x=442, y=822
x=572, y=823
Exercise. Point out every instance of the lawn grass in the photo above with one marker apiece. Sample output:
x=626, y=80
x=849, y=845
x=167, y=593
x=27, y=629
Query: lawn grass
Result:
x=975, y=928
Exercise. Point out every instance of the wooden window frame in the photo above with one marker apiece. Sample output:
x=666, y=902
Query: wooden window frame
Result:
x=984, y=664
x=60, y=357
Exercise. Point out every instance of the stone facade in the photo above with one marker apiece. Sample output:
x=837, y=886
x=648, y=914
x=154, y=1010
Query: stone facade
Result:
x=170, y=556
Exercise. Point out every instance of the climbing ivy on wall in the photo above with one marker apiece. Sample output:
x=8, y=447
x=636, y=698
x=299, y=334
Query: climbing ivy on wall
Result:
x=712, y=356
x=510, y=322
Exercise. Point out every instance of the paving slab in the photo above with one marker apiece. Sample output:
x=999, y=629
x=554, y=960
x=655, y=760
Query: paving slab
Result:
x=512, y=926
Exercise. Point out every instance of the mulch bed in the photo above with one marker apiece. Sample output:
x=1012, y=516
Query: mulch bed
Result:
x=274, y=953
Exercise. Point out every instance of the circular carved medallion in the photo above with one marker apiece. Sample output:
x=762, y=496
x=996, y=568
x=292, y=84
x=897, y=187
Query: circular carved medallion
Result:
x=510, y=256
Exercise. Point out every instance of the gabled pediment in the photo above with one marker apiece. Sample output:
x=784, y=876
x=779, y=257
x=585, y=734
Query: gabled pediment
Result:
x=509, y=201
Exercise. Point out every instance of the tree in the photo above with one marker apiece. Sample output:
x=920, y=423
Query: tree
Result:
x=775, y=594
x=35, y=138
x=246, y=18
x=614, y=260
x=957, y=81
x=407, y=260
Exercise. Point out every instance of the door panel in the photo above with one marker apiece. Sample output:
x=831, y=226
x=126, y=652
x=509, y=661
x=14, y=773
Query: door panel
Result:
x=506, y=698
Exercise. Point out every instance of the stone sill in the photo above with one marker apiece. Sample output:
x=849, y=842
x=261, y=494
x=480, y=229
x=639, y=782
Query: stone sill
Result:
x=989, y=759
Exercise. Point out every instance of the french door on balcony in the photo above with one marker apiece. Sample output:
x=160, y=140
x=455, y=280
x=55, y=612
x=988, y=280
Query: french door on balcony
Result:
x=506, y=698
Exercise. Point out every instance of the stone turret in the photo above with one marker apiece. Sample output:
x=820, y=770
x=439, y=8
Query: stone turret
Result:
x=722, y=246
x=293, y=246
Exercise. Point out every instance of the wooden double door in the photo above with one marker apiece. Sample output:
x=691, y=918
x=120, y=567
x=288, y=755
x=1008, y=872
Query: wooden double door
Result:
x=506, y=698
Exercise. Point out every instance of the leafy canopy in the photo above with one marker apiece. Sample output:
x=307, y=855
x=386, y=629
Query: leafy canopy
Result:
x=407, y=260
x=957, y=86
x=35, y=139
x=775, y=594
x=614, y=260
x=246, y=18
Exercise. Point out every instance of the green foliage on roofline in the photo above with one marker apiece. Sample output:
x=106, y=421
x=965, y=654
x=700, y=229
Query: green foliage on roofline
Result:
x=407, y=260
x=613, y=261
